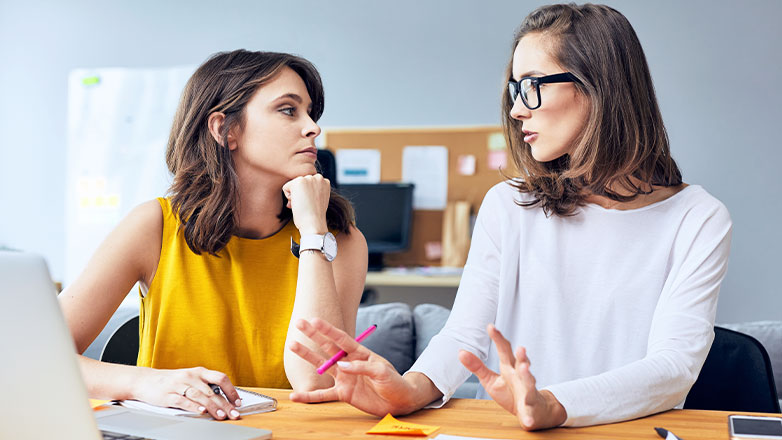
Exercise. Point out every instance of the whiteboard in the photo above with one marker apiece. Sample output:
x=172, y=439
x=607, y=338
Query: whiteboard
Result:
x=118, y=125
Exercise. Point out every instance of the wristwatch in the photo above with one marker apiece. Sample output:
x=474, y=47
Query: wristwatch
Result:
x=325, y=243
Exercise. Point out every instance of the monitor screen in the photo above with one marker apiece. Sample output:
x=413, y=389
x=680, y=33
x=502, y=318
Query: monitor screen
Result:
x=384, y=212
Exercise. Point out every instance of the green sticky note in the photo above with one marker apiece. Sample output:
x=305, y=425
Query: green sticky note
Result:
x=90, y=80
x=497, y=141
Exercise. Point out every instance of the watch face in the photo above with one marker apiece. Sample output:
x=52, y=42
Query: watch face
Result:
x=329, y=246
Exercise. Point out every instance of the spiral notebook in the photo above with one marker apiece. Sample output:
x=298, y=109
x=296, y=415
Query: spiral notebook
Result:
x=252, y=403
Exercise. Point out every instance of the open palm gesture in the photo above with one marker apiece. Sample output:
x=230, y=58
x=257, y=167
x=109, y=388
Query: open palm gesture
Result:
x=514, y=387
x=362, y=378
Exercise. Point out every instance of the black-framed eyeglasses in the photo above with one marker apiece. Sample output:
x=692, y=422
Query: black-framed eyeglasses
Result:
x=528, y=87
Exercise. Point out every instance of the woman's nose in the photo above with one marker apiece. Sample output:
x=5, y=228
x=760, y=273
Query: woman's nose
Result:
x=312, y=129
x=519, y=110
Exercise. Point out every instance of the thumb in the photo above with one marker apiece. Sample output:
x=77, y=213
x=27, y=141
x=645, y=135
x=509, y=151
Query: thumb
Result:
x=286, y=189
x=315, y=396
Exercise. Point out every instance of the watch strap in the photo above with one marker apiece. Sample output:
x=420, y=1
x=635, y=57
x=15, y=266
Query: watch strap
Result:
x=311, y=242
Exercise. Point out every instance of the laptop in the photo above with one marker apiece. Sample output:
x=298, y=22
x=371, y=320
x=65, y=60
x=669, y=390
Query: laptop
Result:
x=43, y=392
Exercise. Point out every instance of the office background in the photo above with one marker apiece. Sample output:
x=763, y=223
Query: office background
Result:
x=716, y=64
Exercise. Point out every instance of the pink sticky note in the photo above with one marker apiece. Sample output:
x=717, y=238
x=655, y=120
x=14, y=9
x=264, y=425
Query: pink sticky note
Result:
x=433, y=250
x=497, y=159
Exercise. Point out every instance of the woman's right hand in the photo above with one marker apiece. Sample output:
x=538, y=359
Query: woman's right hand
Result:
x=188, y=389
x=361, y=378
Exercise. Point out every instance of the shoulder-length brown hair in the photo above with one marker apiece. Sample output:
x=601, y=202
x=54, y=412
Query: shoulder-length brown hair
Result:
x=624, y=135
x=205, y=190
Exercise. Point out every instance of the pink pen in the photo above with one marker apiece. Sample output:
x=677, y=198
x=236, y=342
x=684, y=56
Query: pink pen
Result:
x=340, y=354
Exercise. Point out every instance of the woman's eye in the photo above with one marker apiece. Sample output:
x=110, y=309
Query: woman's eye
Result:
x=290, y=111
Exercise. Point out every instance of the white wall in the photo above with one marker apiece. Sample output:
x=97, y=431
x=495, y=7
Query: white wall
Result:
x=716, y=64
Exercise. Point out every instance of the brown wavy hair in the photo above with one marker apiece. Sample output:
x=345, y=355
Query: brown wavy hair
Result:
x=205, y=189
x=624, y=135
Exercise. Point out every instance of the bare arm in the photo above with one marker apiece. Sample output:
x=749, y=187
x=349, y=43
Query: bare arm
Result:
x=128, y=255
x=327, y=290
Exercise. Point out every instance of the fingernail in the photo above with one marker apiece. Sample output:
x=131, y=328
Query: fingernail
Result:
x=220, y=413
x=234, y=413
x=344, y=365
x=201, y=409
x=238, y=402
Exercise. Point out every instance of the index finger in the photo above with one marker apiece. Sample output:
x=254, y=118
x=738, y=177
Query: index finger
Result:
x=339, y=338
x=221, y=380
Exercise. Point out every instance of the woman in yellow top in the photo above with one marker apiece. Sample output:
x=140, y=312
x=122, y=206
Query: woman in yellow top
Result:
x=219, y=283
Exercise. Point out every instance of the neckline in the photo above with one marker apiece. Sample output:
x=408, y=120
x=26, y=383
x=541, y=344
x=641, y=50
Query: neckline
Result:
x=597, y=207
x=259, y=239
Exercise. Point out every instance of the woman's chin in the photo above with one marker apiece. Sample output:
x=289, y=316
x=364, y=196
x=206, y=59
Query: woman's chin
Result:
x=305, y=170
x=545, y=154
x=541, y=155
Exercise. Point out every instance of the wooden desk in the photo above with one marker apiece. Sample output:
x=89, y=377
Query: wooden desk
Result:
x=470, y=417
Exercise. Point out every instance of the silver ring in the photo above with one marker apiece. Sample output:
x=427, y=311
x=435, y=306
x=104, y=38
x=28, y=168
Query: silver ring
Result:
x=184, y=393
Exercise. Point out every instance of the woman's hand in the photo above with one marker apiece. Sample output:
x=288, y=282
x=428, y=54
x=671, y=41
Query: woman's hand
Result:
x=514, y=388
x=308, y=198
x=361, y=378
x=188, y=389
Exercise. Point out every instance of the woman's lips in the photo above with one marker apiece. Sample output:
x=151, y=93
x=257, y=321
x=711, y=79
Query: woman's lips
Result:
x=309, y=152
x=530, y=137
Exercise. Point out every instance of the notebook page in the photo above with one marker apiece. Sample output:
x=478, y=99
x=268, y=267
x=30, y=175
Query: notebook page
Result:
x=252, y=403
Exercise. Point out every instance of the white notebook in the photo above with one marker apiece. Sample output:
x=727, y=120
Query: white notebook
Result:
x=252, y=403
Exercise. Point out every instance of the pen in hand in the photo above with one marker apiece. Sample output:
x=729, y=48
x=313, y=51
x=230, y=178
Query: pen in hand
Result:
x=217, y=390
x=342, y=353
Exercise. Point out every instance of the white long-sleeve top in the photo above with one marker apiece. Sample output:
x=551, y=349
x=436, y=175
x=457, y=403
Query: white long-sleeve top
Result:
x=615, y=307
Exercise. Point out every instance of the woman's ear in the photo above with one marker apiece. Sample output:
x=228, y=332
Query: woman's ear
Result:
x=215, y=124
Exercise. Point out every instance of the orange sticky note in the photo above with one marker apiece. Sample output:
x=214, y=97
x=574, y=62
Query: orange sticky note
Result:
x=97, y=405
x=390, y=425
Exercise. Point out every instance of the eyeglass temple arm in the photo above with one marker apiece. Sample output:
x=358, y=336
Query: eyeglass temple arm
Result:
x=558, y=78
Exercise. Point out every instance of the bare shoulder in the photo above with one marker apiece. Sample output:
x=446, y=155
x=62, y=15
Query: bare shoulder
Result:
x=353, y=241
x=148, y=217
x=140, y=234
x=351, y=255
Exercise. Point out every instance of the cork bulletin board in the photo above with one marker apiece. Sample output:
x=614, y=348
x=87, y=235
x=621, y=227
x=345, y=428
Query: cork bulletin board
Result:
x=484, y=143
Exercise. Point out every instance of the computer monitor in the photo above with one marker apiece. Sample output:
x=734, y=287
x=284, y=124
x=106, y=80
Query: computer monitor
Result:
x=384, y=213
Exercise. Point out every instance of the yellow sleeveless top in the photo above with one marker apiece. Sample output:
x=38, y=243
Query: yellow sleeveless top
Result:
x=228, y=313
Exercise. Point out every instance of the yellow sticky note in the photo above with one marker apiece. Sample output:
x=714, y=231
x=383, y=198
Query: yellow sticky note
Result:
x=390, y=425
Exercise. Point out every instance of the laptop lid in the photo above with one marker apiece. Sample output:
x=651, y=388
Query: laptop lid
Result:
x=39, y=367
x=45, y=396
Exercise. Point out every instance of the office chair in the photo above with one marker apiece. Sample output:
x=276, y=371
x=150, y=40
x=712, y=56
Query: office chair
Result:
x=327, y=166
x=736, y=376
x=118, y=341
x=122, y=347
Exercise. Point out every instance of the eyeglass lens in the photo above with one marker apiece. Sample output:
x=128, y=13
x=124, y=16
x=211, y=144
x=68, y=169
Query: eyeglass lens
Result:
x=528, y=91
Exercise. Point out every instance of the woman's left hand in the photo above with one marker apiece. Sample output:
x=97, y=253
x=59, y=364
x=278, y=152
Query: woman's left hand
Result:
x=514, y=388
x=308, y=198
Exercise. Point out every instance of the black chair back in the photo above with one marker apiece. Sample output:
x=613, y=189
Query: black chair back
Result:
x=737, y=376
x=327, y=166
x=122, y=346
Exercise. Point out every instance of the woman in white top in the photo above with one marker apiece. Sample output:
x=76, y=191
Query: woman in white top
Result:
x=597, y=262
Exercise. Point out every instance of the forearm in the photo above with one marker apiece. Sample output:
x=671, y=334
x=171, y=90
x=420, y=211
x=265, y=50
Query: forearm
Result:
x=108, y=381
x=316, y=297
